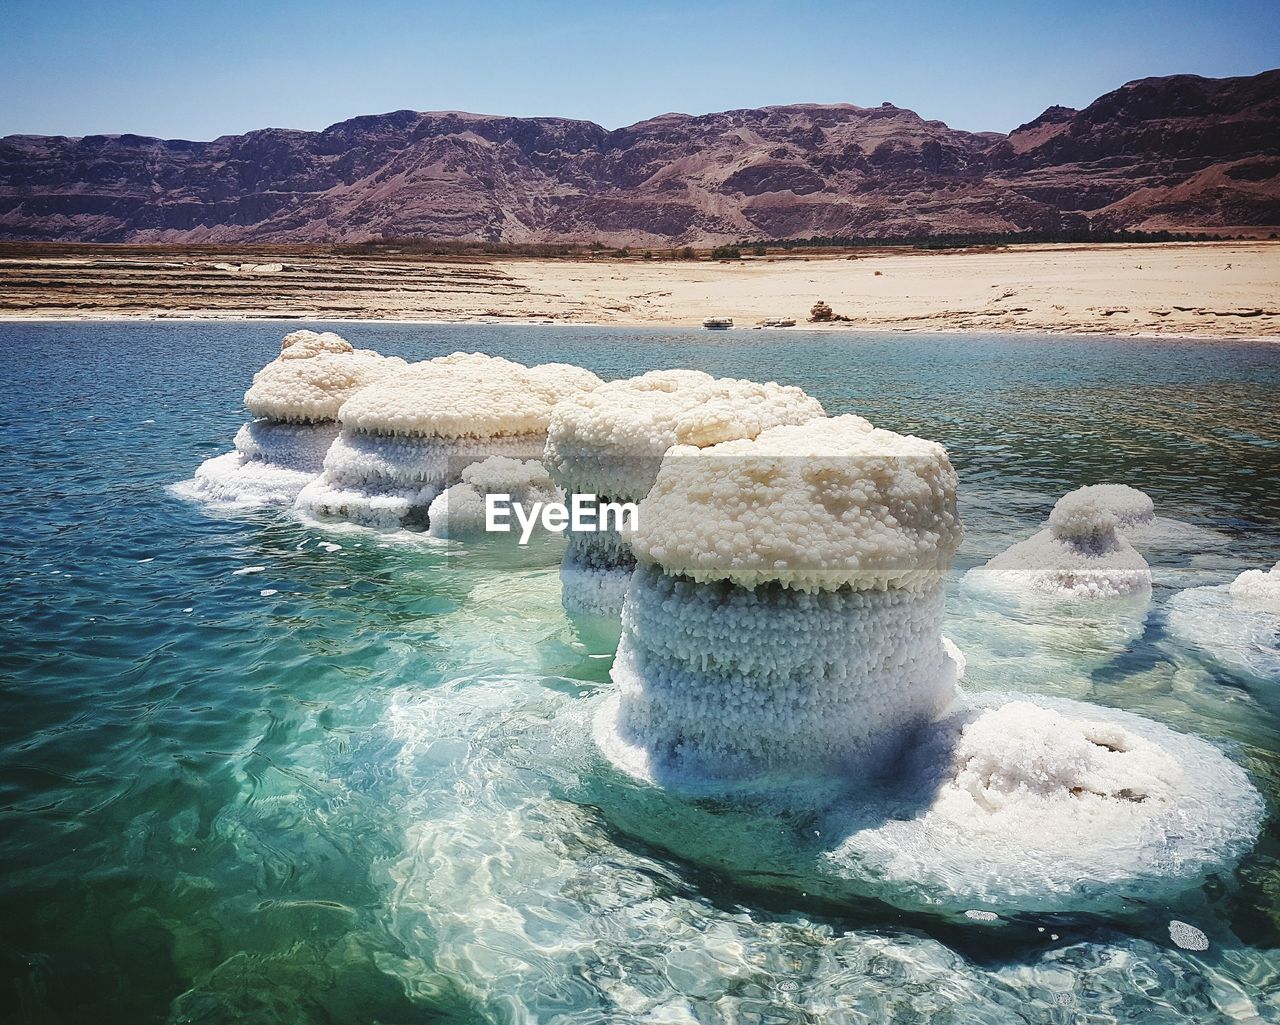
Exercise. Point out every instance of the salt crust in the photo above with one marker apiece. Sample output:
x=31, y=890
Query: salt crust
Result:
x=1040, y=802
x=721, y=680
x=610, y=441
x=1130, y=506
x=312, y=389
x=1081, y=555
x=459, y=510
x=593, y=591
x=1259, y=589
x=272, y=463
x=829, y=503
x=1243, y=635
x=410, y=436
x=464, y=395
x=305, y=344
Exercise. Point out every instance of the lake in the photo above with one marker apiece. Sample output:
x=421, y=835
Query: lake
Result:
x=257, y=770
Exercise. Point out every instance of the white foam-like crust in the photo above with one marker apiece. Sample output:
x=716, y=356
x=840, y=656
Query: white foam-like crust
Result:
x=1033, y=803
x=593, y=590
x=305, y=344
x=311, y=390
x=459, y=510
x=719, y=681
x=1130, y=506
x=1239, y=635
x=272, y=463
x=383, y=505
x=363, y=459
x=562, y=380
x=1095, y=563
x=609, y=441
x=232, y=480
x=387, y=482
x=294, y=446
x=463, y=395
x=830, y=503
x=1259, y=589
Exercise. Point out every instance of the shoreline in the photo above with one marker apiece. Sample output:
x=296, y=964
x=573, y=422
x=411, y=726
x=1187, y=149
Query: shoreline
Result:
x=1217, y=290
x=301, y=320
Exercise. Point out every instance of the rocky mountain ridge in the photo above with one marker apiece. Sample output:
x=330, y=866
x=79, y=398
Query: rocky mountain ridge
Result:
x=1176, y=153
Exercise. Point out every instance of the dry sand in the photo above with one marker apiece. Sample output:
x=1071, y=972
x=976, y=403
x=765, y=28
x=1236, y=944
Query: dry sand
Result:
x=1227, y=289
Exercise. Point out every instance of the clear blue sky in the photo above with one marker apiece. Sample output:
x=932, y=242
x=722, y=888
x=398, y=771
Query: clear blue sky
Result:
x=197, y=70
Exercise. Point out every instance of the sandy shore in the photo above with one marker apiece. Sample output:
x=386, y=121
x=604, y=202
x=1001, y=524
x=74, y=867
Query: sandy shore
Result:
x=1227, y=289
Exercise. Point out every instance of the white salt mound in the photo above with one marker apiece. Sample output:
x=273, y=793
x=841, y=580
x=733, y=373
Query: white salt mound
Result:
x=1130, y=506
x=459, y=510
x=464, y=395
x=1041, y=803
x=1259, y=589
x=1238, y=625
x=608, y=441
x=311, y=389
x=832, y=502
x=410, y=435
x=305, y=344
x=1082, y=555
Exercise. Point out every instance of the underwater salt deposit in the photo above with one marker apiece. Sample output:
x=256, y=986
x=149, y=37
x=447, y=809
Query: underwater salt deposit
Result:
x=295, y=399
x=408, y=437
x=609, y=443
x=1236, y=624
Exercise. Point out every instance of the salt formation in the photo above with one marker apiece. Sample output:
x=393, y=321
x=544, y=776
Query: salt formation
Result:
x=295, y=399
x=782, y=645
x=787, y=609
x=409, y=436
x=1131, y=507
x=1238, y=625
x=1258, y=589
x=610, y=442
x=459, y=510
x=1041, y=803
x=1081, y=554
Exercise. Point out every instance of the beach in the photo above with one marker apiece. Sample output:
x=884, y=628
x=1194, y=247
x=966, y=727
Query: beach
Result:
x=1212, y=290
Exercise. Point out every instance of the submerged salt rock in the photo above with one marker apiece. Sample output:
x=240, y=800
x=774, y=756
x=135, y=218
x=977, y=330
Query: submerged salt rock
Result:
x=1130, y=506
x=829, y=503
x=459, y=510
x=1082, y=555
x=1259, y=589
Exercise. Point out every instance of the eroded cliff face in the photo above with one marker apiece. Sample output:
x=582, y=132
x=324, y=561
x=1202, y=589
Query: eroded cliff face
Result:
x=1178, y=152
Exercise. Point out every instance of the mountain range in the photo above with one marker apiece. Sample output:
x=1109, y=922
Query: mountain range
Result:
x=1177, y=153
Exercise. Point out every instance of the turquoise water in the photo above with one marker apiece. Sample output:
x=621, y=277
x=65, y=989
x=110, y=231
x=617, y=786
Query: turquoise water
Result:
x=252, y=770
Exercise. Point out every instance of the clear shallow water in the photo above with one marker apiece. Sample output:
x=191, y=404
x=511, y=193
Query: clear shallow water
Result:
x=334, y=801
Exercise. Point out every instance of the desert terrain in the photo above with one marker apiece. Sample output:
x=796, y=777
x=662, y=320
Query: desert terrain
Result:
x=1220, y=289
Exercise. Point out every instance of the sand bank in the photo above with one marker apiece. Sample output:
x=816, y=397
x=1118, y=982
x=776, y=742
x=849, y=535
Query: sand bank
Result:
x=1227, y=289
